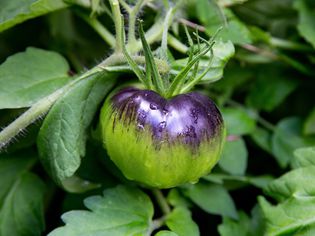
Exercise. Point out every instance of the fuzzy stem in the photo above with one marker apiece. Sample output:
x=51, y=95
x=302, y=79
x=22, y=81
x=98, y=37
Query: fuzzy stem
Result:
x=165, y=208
x=118, y=24
x=41, y=107
x=167, y=21
x=37, y=110
x=152, y=35
x=125, y=5
x=132, y=20
x=155, y=224
x=176, y=44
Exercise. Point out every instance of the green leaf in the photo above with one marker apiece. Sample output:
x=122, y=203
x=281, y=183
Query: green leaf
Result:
x=286, y=138
x=230, y=227
x=13, y=12
x=309, y=124
x=298, y=182
x=262, y=138
x=222, y=52
x=305, y=156
x=176, y=199
x=62, y=137
x=238, y=121
x=21, y=197
x=75, y=184
x=212, y=198
x=295, y=216
x=29, y=76
x=120, y=211
x=270, y=88
x=212, y=17
x=166, y=233
x=295, y=191
x=306, y=25
x=244, y=226
x=234, y=157
x=257, y=181
x=180, y=221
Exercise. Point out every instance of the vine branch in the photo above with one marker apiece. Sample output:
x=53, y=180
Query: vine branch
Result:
x=118, y=24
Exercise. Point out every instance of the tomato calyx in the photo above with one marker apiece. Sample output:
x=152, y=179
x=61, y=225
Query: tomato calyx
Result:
x=170, y=86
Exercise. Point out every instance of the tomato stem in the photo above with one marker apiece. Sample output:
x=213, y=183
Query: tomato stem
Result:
x=161, y=200
x=118, y=24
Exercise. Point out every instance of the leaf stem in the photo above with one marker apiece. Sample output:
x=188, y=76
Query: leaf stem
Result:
x=152, y=35
x=161, y=200
x=176, y=44
x=118, y=24
x=36, y=111
x=155, y=224
x=132, y=20
x=289, y=45
x=167, y=21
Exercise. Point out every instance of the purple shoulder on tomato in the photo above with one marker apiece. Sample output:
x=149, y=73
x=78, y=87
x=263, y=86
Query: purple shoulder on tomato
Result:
x=191, y=117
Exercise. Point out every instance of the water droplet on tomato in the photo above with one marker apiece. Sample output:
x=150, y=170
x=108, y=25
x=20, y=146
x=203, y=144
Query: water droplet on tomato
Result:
x=165, y=112
x=194, y=115
x=153, y=106
x=162, y=126
x=140, y=127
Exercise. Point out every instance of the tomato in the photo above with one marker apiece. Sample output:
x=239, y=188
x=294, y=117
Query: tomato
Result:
x=162, y=142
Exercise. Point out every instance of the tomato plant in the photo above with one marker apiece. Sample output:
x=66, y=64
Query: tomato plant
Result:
x=113, y=116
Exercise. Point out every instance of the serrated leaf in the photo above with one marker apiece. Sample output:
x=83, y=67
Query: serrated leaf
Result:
x=234, y=157
x=222, y=52
x=295, y=191
x=270, y=88
x=62, y=137
x=298, y=182
x=295, y=216
x=286, y=138
x=120, y=211
x=29, y=76
x=180, y=222
x=238, y=121
x=306, y=25
x=21, y=197
x=13, y=12
x=212, y=198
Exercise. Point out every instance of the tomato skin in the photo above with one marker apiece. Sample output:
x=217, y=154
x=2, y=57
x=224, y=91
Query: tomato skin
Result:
x=162, y=142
